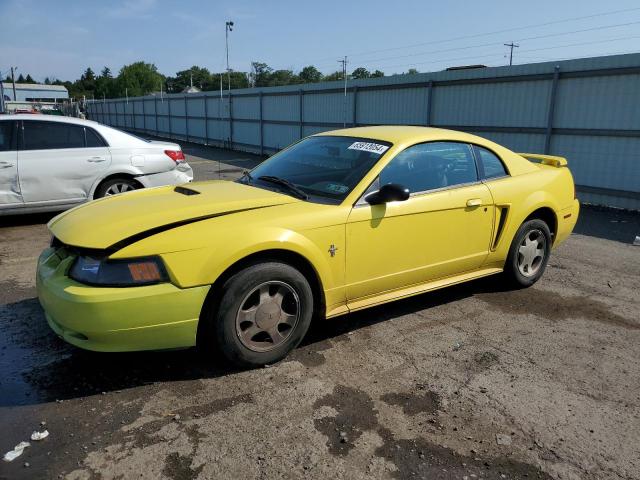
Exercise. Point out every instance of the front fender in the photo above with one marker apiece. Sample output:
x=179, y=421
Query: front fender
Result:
x=197, y=254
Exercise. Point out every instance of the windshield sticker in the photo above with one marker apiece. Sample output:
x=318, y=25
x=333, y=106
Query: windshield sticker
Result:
x=337, y=188
x=369, y=147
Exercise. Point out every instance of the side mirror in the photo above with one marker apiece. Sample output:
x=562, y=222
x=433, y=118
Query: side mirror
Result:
x=391, y=192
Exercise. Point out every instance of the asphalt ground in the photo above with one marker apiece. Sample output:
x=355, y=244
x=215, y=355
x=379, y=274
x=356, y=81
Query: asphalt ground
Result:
x=473, y=381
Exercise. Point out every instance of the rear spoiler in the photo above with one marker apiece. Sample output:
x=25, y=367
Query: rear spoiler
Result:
x=546, y=159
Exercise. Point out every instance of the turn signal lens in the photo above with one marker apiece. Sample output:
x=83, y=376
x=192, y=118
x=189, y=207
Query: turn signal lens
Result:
x=145, y=272
x=175, y=155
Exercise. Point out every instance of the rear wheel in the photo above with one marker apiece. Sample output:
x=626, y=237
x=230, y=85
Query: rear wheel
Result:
x=114, y=186
x=529, y=253
x=264, y=312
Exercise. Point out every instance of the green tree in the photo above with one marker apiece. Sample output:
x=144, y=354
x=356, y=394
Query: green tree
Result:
x=29, y=79
x=412, y=71
x=201, y=78
x=333, y=77
x=138, y=79
x=105, y=85
x=87, y=81
x=260, y=74
x=283, y=77
x=21, y=79
x=310, y=74
x=377, y=74
x=360, y=72
x=238, y=80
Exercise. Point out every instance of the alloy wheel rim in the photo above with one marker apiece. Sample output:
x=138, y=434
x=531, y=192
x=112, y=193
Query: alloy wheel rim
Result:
x=267, y=316
x=118, y=188
x=531, y=253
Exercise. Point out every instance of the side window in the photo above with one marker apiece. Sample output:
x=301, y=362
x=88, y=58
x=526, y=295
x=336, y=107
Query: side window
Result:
x=51, y=135
x=490, y=163
x=93, y=139
x=6, y=136
x=432, y=165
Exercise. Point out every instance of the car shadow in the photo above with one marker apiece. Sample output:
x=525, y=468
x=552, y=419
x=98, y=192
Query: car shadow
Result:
x=39, y=368
x=607, y=223
x=22, y=220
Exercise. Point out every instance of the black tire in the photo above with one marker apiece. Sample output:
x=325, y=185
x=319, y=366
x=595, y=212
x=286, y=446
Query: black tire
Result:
x=104, y=187
x=512, y=270
x=222, y=332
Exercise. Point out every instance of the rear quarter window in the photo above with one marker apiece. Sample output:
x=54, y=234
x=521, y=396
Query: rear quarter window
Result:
x=93, y=139
x=491, y=165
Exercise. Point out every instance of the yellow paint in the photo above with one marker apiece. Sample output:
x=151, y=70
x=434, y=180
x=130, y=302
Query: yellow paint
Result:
x=384, y=252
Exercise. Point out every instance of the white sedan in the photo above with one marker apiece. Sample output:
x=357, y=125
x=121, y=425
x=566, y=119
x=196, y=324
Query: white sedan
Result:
x=54, y=163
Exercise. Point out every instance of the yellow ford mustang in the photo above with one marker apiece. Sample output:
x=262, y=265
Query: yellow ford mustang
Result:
x=337, y=222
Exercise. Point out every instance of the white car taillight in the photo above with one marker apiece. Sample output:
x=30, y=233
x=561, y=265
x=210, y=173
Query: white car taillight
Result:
x=175, y=155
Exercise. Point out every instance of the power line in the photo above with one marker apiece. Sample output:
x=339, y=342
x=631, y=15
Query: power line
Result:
x=431, y=62
x=491, y=44
x=506, y=30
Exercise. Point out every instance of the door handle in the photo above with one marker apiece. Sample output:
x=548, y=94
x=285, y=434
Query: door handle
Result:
x=6, y=165
x=96, y=159
x=474, y=202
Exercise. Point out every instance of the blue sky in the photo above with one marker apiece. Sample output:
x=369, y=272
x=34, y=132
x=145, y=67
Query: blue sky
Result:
x=60, y=38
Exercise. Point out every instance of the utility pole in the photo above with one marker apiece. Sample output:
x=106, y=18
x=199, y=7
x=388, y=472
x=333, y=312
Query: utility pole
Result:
x=344, y=75
x=13, y=80
x=1, y=93
x=511, y=46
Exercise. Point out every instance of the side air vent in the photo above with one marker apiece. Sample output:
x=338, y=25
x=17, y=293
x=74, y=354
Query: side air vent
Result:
x=185, y=191
x=502, y=218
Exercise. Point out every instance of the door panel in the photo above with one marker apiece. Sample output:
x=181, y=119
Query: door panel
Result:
x=50, y=172
x=9, y=186
x=429, y=236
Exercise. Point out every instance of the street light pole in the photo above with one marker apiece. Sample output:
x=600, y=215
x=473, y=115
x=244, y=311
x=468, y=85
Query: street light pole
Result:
x=344, y=75
x=228, y=27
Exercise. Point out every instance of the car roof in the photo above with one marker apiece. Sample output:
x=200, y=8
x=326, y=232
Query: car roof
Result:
x=403, y=134
x=47, y=118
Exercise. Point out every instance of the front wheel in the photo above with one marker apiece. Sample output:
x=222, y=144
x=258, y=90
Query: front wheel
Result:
x=528, y=254
x=264, y=312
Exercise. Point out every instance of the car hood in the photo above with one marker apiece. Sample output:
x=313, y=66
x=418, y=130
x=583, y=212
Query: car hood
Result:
x=112, y=222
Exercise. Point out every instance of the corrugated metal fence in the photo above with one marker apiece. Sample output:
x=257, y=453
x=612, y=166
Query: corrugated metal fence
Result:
x=587, y=110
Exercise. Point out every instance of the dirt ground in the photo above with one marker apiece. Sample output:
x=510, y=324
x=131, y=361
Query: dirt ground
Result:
x=463, y=383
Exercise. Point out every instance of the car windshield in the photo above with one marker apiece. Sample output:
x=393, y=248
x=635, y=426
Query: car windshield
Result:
x=322, y=169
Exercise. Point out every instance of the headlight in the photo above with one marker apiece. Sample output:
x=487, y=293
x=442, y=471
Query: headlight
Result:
x=118, y=273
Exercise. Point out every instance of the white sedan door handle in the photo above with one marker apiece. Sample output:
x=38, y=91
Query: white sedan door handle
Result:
x=96, y=159
x=6, y=165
